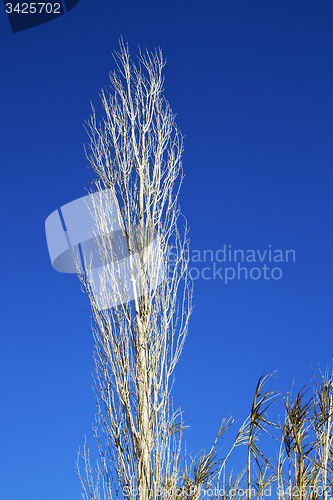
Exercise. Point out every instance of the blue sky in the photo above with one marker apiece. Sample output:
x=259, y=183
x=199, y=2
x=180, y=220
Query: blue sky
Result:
x=252, y=86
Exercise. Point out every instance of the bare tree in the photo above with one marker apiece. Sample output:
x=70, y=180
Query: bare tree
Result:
x=141, y=296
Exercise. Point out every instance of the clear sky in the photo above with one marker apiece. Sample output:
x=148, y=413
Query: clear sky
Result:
x=252, y=86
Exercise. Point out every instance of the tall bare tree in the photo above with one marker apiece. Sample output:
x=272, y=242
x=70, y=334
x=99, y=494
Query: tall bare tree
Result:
x=141, y=301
